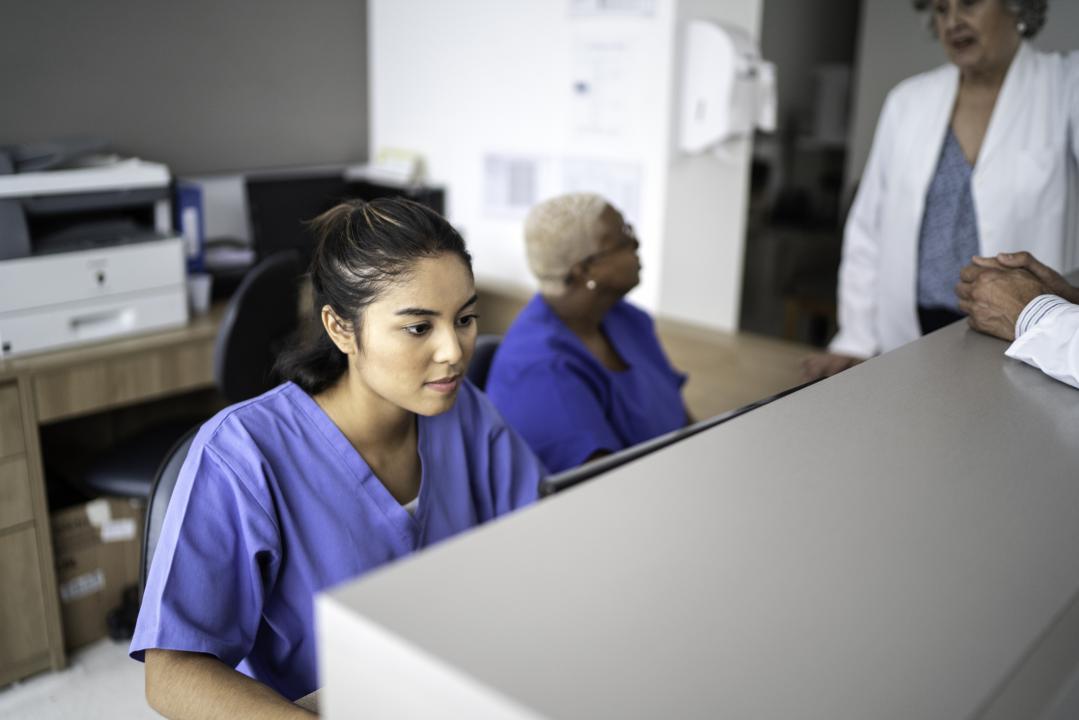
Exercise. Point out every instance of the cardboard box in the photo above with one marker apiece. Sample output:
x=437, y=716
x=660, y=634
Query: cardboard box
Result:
x=97, y=547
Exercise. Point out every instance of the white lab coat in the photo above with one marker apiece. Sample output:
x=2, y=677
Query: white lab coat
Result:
x=1052, y=345
x=1024, y=186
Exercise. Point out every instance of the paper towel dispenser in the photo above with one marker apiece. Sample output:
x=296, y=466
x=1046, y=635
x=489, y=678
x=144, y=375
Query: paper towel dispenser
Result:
x=728, y=91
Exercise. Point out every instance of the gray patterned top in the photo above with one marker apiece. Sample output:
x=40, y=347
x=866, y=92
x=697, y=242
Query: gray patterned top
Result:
x=949, y=234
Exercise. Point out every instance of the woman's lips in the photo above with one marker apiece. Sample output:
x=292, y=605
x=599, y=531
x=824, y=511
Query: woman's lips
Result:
x=444, y=385
x=961, y=43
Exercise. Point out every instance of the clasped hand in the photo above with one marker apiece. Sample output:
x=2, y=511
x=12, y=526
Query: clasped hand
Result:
x=993, y=291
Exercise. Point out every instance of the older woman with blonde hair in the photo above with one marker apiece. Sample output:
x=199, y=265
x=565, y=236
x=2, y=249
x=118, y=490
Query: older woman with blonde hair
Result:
x=581, y=373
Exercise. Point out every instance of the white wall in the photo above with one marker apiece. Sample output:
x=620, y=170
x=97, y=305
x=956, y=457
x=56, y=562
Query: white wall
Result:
x=707, y=200
x=895, y=43
x=459, y=81
x=798, y=36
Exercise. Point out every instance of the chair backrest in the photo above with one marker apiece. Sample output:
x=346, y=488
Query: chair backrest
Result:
x=158, y=503
x=480, y=366
x=261, y=315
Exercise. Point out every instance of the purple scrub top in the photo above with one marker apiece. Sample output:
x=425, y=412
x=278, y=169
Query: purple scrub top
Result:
x=273, y=504
x=562, y=399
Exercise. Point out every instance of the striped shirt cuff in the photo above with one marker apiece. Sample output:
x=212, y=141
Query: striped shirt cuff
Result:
x=1037, y=310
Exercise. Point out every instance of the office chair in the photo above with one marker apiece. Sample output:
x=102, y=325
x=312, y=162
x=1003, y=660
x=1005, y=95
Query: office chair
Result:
x=260, y=317
x=486, y=344
x=158, y=502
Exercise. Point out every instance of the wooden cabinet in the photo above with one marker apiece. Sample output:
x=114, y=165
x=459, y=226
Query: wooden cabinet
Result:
x=15, y=505
x=11, y=432
x=24, y=638
x=47, y=388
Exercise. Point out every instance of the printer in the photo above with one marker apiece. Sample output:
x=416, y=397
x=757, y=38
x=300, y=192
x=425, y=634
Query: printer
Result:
x=87, y=249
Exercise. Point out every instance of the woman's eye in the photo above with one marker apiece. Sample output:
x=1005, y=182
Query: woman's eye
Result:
x=417, y=330
x=466, y=320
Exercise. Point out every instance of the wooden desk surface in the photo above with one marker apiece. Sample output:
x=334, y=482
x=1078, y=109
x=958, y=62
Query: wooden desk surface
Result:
x=198, y=328
x=75, y=381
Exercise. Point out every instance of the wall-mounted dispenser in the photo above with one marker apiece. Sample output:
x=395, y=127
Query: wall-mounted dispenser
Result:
x=728, y=91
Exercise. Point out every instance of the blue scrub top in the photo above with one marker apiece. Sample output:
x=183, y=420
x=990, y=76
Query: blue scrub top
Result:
x=273, y=504
x=562, y=399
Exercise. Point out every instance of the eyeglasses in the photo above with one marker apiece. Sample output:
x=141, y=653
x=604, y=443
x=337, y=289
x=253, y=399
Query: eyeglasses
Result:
x=628, y=240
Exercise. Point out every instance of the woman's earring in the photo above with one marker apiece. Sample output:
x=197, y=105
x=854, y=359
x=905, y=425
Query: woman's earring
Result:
x=591, y=284
x=1021, y=28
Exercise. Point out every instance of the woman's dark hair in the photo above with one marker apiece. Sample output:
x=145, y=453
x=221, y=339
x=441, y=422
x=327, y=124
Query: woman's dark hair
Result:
x=362, y=248
x=1030, y=13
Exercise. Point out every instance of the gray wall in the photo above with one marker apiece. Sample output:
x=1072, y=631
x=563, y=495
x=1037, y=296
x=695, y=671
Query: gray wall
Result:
x=204, y=86
x=797, y=36
x=894, y=44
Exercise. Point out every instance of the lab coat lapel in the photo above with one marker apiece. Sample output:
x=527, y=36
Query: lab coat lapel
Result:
x=1011, y=103
x=925, y=146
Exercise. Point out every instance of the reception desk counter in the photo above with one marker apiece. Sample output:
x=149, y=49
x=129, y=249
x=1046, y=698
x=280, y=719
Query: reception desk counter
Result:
x=899, y=541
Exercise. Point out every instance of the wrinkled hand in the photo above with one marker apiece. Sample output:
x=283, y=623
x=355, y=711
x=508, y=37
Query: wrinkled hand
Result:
x=825, y=365
x=1048, y=277
x=993, y=297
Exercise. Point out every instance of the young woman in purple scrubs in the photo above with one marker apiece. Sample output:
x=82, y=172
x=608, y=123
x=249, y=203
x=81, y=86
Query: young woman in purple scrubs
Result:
x=375, y=447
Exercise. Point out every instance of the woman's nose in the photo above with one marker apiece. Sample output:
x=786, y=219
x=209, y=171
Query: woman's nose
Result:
x=949, y=14
x=449, y=348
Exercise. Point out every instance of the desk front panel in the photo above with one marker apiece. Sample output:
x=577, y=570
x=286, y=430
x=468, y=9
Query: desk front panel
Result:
x=54, y=386
x=11, y=434
x=24, y=639
x=15, y=505
x=90, y=387
x=899, y=541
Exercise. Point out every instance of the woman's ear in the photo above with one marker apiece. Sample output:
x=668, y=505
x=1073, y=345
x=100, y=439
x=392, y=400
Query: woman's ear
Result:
x=340, y=331
x=577, y=275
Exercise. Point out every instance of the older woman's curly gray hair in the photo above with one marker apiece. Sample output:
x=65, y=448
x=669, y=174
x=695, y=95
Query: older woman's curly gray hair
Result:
x=1031, y=14
x=559, y=233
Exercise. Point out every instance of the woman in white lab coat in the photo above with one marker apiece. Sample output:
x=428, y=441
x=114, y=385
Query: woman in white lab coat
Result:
x=976, y=157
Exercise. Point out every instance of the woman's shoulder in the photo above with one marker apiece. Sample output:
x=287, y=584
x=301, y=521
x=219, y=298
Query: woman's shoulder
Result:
x=1049, y=77
x=1060, y=71
x=1066, y=62
x=536, y=319
x=253, y=411
x=915, y=87
x=537, y=338
x=235, y=453
x=234, y=432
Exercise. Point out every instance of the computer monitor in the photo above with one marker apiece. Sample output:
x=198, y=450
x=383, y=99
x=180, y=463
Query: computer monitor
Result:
x=575, y=476
x=281, y=204
x=432, y=197
x=279, y=207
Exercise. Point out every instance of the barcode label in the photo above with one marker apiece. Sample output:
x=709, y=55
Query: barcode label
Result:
x=81, y=586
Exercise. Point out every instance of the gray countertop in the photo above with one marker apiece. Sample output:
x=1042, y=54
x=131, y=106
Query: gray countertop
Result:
x=899, y=541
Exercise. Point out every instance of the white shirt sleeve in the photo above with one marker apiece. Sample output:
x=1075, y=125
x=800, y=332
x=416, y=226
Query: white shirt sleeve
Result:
x=1047, y=337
